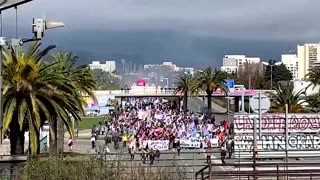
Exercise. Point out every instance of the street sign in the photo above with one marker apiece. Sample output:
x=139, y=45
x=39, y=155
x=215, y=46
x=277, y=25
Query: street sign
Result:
x=264, y=102
x=229, y=83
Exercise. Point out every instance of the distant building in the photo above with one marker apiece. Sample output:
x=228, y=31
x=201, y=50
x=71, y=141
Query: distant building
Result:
x=291, y=61
x=308, y=57
x=231, y=63
x=109, y=66
x=174, y=67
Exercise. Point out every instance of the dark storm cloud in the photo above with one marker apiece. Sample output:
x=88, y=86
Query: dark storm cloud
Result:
x=155, y=30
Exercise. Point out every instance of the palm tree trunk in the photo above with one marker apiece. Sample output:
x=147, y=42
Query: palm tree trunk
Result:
x=60, y=136
x=185, y=102
x=209, y=104
x=16, y=138
x=53, y=136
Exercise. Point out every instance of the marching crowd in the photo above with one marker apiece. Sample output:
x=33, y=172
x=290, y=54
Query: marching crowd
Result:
x=145, y=120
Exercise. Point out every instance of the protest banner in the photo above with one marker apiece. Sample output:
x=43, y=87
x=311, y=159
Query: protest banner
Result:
x=190, y=143
x=161, y=145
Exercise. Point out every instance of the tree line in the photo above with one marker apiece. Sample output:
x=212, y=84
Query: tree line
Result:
x=254, y=76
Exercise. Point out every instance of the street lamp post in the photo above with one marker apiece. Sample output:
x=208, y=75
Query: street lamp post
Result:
x=271, y=71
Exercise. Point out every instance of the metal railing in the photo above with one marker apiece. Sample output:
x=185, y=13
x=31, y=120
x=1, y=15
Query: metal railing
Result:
x=294, y=164
x=281, y=171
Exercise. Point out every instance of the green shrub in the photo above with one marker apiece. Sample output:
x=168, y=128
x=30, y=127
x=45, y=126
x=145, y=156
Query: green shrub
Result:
x=87, y=167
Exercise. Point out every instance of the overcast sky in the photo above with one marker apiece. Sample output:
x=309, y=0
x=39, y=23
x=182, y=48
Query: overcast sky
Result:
x=259, y=21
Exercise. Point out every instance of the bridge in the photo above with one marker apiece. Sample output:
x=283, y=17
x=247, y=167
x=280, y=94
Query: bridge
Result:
x=170, y=93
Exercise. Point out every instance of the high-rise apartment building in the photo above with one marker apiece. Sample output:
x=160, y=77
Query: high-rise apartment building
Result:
x=291, y=61
x=308, y=57
x=231, y=63
x=109, y=66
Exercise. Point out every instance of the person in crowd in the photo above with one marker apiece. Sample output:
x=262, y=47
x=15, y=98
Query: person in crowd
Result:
x=103, y=129
x=144, y=156
x=157, y=156
x=151, y=156
x=178, y=147
x=124, y=140
x=131, y=150
x=208, y=150
x=93, y=141
x=107, y=139
x=76, y=132
x=116, y=141
x=230, y=145
x=70, y=144
x=223, y=154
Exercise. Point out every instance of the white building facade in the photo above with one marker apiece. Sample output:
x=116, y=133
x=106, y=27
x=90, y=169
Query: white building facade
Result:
x=308, y=57
x=231, y=63
x=109, y=66
x=291, y=61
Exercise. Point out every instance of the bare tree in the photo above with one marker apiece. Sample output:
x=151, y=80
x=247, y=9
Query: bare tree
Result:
x=251, y=75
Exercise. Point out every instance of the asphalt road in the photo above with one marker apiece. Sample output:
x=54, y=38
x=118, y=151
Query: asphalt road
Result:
x=189, y=161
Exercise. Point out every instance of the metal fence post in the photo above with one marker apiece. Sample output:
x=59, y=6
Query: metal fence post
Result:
x=210, y=170
x=193, y=164
x=287, y=138
x=277, y=171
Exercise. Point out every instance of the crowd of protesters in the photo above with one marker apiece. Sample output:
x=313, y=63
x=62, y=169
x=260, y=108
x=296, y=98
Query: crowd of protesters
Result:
x=142, y=119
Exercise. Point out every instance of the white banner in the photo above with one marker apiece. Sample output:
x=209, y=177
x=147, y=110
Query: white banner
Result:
x=161, y=145
x=195, y=143
x=190, y=143
x=214, y=143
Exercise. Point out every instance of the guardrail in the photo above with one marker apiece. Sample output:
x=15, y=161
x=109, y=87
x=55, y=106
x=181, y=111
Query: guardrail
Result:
x=281, y=170
x=294, y=163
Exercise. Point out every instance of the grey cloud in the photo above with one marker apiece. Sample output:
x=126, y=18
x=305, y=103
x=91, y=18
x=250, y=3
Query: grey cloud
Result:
x=244, y=19
x=190, y=32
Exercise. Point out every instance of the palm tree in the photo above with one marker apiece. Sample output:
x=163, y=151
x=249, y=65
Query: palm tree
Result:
x=186, y=85
x=209, y=80
x=25, y=83
x=314, y=100
x=82, y=81
x=285, y=94
x=314, y=75
x=35, y=91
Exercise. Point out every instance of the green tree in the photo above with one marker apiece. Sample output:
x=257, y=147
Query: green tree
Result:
x=251, y=75
x=82, y=82
x=314, y=76
x=279, y=73
x=36, y=91
x=314, y=100
x=26, y=88
x=186, y=85
x=106, y=80
x=285, y=94
x=209, y=80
